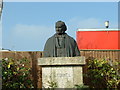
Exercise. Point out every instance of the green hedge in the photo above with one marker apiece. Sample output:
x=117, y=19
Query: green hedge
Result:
x=103, y=73
x=16, y=74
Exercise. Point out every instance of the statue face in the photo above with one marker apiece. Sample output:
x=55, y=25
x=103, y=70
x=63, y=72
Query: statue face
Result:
x=60, y=29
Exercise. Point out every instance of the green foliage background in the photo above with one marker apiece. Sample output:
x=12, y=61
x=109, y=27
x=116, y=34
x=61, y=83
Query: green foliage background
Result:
x=103, y=73
x=16, y=74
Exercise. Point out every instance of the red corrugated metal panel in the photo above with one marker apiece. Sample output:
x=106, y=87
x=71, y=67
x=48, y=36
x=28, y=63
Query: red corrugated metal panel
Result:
x=98, y=39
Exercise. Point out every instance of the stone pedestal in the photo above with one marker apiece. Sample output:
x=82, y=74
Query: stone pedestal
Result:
x=61, y=72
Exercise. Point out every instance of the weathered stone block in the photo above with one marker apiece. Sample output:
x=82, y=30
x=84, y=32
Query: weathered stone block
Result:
x=61, y=72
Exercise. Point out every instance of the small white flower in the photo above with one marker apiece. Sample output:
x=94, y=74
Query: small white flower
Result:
x=6, y=59
x=23, y=74
x=23, y=65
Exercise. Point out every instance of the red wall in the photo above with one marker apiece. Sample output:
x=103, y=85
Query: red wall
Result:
x=98, y=39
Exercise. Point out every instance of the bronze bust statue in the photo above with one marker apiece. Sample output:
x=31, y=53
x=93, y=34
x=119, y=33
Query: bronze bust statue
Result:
x=61, y=44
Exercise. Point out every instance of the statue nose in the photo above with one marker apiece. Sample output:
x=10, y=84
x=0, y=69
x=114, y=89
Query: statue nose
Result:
x=58, y=29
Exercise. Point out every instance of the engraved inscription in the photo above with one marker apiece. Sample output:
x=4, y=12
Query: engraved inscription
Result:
x=63, y=75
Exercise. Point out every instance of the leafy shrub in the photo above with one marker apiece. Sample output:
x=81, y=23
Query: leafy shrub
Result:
x=103, y=73
x=52, y=84
x=16, y=73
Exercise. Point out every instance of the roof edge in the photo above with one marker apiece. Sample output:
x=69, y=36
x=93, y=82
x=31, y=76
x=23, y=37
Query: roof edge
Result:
x=95, y=29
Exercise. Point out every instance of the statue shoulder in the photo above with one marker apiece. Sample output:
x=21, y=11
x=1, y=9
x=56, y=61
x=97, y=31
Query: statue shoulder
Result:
x=50, y=38
x=71, y=38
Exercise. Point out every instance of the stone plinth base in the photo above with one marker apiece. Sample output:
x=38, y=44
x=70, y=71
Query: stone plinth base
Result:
x=61, y=72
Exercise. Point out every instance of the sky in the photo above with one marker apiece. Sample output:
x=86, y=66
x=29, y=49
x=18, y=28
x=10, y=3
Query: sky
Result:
x=27, y=25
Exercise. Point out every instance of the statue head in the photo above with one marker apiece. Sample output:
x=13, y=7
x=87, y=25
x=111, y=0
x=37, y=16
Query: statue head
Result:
x=60, y=27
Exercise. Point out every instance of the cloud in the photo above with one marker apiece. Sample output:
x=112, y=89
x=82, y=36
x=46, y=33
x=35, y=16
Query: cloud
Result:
x=32, y=37
x=90, y=23
x=32, y=31
x=86, y=23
